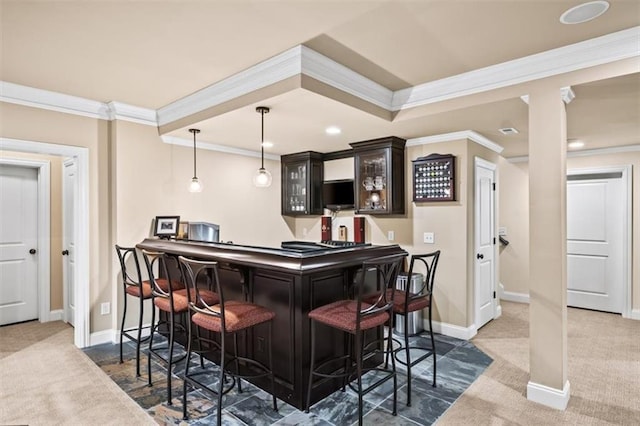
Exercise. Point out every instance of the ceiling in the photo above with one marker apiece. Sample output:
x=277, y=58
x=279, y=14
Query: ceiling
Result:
x=152, y=53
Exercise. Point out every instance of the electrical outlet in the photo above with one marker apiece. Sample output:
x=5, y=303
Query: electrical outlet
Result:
x=502, y=231
x=391, y=235
x=429, y=238
x=105, y=308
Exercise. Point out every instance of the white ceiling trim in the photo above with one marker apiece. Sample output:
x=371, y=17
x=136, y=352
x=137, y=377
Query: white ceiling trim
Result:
x=600, y=50
x=302, y=60
x=330, y=72
x=53, y=101
x=454, y=136
x=585, y=153
x=172, y=140
x=280, y=67
x=60, y=102
x=566, y=93
x=126, y=112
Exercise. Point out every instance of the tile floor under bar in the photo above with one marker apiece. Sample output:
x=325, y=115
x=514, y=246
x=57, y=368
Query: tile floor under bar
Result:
x=459, y=363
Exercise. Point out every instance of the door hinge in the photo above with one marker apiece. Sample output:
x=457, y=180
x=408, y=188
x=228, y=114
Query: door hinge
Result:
x=494, y=186
x=494, y=294
x=494, y=241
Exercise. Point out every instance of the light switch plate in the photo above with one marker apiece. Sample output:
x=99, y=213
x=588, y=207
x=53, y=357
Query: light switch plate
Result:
x=105, y=308
x=502, y=231
x=429, y=238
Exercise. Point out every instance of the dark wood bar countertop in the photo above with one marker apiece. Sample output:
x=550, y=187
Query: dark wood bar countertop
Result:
x=291, y=281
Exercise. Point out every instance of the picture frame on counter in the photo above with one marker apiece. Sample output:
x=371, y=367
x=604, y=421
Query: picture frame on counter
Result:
x=166, y=226
x=434, y=178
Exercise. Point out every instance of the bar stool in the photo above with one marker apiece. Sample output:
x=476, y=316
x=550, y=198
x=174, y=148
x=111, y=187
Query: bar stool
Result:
x=355, y=316
x=406, y=302
x=173, y=301
x=227, y=317
x=135, y=287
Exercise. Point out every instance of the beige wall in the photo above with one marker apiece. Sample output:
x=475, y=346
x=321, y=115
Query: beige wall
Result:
x=151, y=179
x=55, y=237
x=514, y=214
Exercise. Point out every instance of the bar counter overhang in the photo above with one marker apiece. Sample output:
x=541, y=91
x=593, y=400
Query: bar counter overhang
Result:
x=291, y=281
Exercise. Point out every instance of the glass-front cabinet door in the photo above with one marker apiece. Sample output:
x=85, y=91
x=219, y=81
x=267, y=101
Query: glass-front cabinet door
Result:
x=302, y=183
x=379, y=175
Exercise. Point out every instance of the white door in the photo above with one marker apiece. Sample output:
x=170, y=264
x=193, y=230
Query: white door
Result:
x=18, y=244
x=68, y=240
x=484, y=242
x=595, y=224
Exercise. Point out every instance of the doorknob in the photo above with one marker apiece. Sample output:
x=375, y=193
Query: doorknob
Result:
x=32, y=251
x=65, y=252
x=479, y=256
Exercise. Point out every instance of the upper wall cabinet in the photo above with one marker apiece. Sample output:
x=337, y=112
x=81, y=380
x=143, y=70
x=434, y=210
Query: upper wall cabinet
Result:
x=379, y=176
x=302, y=177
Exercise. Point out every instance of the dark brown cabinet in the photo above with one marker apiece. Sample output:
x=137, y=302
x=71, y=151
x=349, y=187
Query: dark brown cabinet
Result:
x=379, y=176
x=302, y=176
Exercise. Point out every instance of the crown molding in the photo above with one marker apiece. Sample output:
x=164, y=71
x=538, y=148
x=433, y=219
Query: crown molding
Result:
x=135, y=114
x=303, y=60
x=52, y=101
x=585, y=152
x=597, y=51
x=330, y=72
x=172, y=140
x=454, y=136
x=266, y=73
x=60, y=102
x=566, y=94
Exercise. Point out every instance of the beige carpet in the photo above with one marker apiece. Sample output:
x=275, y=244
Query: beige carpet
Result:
x=46, y=380
x=603, y=368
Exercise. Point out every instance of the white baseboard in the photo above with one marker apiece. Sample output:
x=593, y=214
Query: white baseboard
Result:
x=550, y=397
x=56, y=315
x=113, y=336
x=498, y=311
x=635, y=314
x=515, y=297
x=464, y=333
x=101, y=337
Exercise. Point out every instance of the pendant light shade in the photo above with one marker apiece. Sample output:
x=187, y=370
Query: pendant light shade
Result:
x=262, y=177
x=195, y=185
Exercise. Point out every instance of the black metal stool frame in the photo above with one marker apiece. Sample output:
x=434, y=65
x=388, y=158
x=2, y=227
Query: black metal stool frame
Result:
x=430, y=263
x=159, y=260
x=386, y=270
x=194, y=270
x=125, y=253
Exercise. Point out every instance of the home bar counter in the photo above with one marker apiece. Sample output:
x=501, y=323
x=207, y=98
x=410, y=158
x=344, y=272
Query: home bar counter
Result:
x=290, y=281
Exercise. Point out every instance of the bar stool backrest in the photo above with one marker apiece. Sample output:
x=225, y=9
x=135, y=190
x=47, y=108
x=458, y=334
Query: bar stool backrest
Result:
x=426, y=264
x=125, y=255
x=197, y=271
x=382, y=273
x=158, y=265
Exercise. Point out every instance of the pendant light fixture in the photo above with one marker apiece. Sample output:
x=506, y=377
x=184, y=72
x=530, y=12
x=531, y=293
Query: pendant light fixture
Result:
x=262, y=178
x=195, y=185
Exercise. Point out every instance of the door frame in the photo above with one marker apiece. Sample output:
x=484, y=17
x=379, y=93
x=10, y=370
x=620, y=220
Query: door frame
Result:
x=44, y=230
x=497, y=309
x=81, y=327
x=626, y=171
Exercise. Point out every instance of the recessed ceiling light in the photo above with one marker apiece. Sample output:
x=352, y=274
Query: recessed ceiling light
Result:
x=574, y=144
x=267, y=144
x=508, y=131
x=584, y=12
x=333, y=130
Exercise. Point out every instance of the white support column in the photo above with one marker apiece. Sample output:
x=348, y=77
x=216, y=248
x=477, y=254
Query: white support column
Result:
x=548, y=382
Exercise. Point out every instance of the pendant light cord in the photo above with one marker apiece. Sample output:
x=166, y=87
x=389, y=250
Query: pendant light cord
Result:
x=195, y=132
x=194, y=155
x=262, y=140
